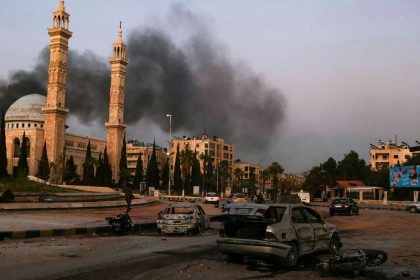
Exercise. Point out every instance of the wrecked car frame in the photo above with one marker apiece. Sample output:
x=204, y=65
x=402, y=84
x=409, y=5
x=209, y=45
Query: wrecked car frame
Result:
x=277, y=232
x=182, y=218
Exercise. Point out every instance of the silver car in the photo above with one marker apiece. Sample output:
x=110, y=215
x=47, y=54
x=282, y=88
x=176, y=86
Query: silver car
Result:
x=182, y=218
x=277, y=232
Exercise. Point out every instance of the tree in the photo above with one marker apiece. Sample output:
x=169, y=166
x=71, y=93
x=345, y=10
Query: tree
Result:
x=138, y=176
x=152, y=172
x=70, y=171
x=252, y=181
x=165, y=174
x=3, y=150
x=100, y=171
x=88, y=168
x=195, y=172
x=44, y=165
x=415, y=160
x=107, y=170
x=187, y=161
x=23, y=168
x=124, y=174
x=206, y=160
x=274, y=170
x=352, y=168
x=177, y=173
x=224, y=174
x=238, y=177
x=210, y=177
x=265, y=175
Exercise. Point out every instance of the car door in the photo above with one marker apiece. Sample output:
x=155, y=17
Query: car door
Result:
x=304, y=230
x=321, y=231
x=204, y=219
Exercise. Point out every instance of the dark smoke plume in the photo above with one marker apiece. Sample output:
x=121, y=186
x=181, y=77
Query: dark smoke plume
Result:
x=196, y=83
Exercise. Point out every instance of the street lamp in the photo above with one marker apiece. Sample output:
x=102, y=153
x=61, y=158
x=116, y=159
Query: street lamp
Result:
x=170, y=144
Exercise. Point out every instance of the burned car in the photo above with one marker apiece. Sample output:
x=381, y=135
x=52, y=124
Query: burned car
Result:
x=280, y=233
x=182, y=218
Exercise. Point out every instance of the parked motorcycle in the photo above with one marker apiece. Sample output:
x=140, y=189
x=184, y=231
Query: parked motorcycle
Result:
x=353, y=262
x=122, y=224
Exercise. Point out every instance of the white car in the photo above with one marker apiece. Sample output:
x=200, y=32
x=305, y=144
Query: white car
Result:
x=211, y=197
x=414, y=207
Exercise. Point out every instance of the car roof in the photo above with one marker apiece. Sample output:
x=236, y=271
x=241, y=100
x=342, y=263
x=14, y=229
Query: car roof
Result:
x=262, y=206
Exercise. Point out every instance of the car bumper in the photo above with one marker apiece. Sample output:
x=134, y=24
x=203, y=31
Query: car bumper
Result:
x=168, y=229
x=260, y=248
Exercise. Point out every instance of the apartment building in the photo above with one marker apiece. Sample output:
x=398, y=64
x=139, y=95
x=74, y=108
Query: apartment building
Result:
x=390, y=154
x=136, y=148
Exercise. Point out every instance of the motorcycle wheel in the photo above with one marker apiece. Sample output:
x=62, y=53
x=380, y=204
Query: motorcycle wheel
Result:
x=375, y=257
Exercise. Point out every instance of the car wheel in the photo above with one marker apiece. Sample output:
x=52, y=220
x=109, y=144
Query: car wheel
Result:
x=335, y=244
x=292, y=256
x=201, y=229
x=234, y=258
x=413, y=209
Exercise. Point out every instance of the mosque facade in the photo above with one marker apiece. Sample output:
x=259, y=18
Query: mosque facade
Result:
x=43, y=119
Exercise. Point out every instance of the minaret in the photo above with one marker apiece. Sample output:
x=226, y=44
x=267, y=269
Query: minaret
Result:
x=115, y=126
x=55, y=110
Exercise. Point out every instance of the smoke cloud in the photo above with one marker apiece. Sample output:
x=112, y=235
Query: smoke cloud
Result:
x=196, y=82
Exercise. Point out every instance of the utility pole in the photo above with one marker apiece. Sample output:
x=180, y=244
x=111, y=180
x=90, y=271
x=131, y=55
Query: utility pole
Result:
x=169, y=150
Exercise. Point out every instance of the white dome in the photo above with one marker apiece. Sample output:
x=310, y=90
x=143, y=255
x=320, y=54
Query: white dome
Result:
x=27, y=108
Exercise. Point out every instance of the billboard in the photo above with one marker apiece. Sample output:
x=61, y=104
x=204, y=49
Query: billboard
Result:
x=404, y=176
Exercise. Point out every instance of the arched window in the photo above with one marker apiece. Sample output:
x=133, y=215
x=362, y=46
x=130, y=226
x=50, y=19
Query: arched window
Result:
x=28, y=147
x=16, y=147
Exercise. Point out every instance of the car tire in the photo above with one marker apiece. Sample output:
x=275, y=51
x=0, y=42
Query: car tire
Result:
x=234, y=258
x=331, y=213
x=413, y=209
x=335, y=244
x=292, y=256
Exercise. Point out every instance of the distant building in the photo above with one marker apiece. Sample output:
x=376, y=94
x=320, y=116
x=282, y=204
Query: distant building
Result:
x=144, y=150
x=246, y=170
x=389, y=154
x=214, y=147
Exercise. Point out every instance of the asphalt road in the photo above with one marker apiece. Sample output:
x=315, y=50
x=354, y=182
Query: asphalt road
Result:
x=150, y=256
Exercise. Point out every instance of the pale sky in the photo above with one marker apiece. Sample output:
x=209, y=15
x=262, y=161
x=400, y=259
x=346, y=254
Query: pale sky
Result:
x=348, y=69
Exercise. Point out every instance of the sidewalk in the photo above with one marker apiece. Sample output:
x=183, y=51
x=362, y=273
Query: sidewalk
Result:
x=56, y=221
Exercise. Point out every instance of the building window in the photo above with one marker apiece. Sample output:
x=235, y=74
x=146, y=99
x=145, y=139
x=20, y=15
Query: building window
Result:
x=395, y=156
x=29, y=125
x=206, y=145
x=246, y=168
x=23, y=125
x=35, y=125
x=407, y=156
x=42, y=125
x=16, y=147
x=17, y=125
x=28, y=146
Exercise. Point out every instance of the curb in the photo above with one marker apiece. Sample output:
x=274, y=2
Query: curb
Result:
x=13, y=235
x=374, y=207
x=73, y=206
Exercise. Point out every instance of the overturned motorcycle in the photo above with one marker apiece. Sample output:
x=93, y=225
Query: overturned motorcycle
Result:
x=351, y=261
x=122, y=224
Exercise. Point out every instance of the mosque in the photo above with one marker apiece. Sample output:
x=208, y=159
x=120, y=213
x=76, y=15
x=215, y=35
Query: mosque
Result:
x=43, y=119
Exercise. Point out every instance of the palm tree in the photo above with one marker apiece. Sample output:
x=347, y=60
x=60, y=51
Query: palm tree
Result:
x=274, y=170
x=238, y=174
x=265, y=176
x=206, y=159
x=187, y=161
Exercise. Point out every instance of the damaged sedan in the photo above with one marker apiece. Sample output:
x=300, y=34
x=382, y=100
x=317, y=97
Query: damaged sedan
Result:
x=182, y=218
x=279, y=233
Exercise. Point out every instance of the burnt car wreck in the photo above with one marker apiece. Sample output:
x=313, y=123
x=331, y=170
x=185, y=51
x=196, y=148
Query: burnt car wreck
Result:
x=280, y=233
x=183, y=218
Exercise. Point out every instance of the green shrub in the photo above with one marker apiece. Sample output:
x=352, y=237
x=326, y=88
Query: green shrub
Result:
x=7, y=196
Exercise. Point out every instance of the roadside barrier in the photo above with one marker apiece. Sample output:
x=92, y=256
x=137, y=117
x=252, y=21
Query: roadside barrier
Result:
x=11, y=235
x=192, y=199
